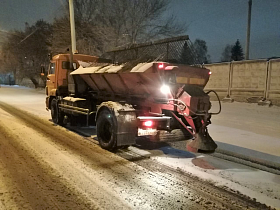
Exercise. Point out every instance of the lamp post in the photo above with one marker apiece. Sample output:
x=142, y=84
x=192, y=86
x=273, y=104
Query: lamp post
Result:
x=72, y=25
x=248, y=30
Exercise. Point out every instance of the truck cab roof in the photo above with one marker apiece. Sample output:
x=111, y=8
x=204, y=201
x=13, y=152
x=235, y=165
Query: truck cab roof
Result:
x=81, y=57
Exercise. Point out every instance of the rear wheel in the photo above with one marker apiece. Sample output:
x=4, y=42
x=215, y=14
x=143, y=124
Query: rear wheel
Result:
x=106, y=130
x=57, y=116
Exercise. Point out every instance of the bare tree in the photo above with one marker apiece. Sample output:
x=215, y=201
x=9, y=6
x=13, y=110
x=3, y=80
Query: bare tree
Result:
x=25, y=51
x=226, y=55
x=61, y=39
x=101, y=25
x=90, y=33
x=201, y=50
x=141, y=20
x=10, y=50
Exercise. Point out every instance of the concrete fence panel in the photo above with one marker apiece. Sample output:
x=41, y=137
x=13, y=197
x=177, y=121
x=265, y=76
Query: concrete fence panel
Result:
x=273, y=86
x=248, y=79
x=219, y=79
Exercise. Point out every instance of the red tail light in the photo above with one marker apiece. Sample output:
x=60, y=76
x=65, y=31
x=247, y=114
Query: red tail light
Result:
x=148, y=123
x=210, y=73
x=161, y=66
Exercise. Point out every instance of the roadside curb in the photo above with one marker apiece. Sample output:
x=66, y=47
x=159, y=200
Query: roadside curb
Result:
x=254, y=162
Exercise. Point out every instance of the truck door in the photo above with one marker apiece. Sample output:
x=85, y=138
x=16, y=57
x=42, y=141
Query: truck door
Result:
x=51, y=79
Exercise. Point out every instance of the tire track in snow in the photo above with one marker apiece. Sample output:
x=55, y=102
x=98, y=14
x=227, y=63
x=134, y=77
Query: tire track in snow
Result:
x=35, y=186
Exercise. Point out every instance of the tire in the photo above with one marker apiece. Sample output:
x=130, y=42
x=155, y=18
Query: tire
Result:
x=106, y=127
x=57, y=116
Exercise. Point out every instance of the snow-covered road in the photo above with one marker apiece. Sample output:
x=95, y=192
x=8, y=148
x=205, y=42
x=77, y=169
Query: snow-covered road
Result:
x=70, y=170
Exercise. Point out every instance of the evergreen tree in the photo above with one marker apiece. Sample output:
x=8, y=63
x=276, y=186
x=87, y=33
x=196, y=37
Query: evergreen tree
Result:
x=237, y=52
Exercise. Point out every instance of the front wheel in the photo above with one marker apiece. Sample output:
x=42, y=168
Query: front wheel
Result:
x=106, y=130
x=57, y=116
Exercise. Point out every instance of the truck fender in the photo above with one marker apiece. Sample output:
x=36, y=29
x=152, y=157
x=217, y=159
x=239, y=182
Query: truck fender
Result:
x=114, y=107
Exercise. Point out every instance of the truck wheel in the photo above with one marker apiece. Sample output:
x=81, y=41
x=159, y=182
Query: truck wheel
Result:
x=57, y=116
x=106, y=127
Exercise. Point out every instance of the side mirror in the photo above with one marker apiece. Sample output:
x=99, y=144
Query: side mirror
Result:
x=42, y=70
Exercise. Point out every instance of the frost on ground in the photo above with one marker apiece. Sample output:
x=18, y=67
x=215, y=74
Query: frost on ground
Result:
x=259, y=185
x=250, y=117
x=28, y=99
x=57, y=169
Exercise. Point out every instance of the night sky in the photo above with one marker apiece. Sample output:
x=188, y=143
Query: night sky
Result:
x=218, y=22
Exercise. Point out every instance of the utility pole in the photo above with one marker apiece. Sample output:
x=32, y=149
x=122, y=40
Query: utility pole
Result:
x=70, y=81
x=248, y=30
x=72, y=25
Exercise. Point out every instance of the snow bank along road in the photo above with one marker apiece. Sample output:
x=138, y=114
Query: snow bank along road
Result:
x=43, y=166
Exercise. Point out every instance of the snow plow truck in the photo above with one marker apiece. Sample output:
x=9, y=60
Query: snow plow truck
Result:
x=142, y=90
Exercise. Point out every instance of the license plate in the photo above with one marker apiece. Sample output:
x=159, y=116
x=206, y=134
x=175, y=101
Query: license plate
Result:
x=148, y=132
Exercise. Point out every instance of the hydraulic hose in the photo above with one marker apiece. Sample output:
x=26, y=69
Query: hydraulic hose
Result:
x=220, y=106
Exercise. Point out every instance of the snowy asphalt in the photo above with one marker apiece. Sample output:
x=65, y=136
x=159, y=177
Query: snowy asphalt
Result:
x=246, y=131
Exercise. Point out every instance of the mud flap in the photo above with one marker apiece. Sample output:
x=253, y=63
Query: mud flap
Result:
x=127, y=127
x=202, y=142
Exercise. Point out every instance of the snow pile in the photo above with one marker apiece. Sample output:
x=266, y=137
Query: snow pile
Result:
x=98, y=69
x=90, y=68
x=110, y=69
x=116, y=107
x=141, y=67
x=85, y=64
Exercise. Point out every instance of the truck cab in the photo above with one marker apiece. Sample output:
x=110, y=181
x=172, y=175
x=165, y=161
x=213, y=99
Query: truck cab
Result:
x=58, y=80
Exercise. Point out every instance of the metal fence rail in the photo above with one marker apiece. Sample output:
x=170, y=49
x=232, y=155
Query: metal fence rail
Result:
x=173, y=50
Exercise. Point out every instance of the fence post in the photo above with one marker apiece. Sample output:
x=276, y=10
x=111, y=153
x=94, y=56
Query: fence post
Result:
x=266, y=79
x=228, y=98
x=265, y=100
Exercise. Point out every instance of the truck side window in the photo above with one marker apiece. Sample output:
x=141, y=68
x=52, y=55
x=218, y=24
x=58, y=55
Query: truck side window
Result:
x=52, y=68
